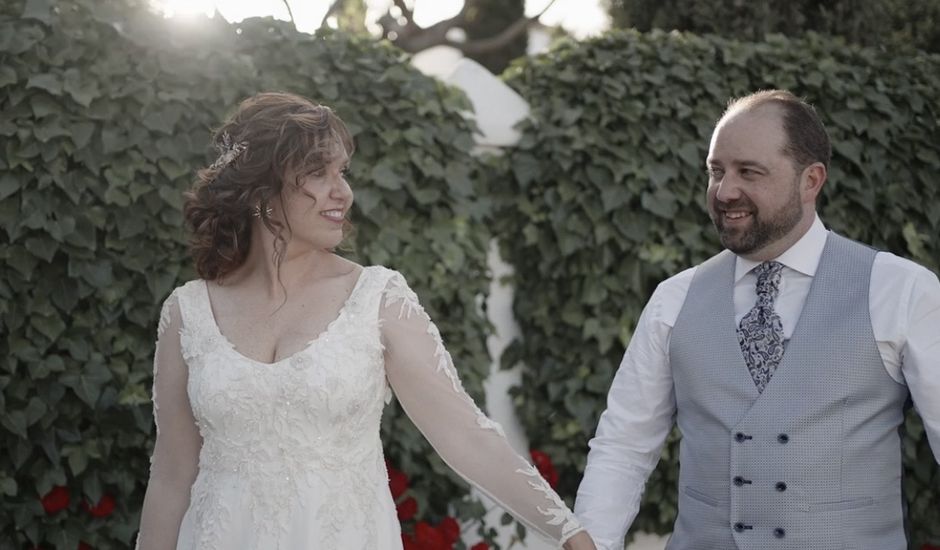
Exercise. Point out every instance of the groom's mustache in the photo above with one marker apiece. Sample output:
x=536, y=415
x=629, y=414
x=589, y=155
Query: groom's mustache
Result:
x=739, y=204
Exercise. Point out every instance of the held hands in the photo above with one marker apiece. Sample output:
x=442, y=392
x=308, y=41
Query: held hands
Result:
x=581, y=541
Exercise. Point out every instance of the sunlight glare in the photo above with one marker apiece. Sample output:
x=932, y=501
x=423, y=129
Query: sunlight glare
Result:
x=184, y=8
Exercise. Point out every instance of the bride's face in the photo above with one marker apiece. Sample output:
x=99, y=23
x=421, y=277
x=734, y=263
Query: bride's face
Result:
x=316, y=208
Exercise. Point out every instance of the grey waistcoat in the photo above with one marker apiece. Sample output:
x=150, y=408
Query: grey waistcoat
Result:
x=813, y=463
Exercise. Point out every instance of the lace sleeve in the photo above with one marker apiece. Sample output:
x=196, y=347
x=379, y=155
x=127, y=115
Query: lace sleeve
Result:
x=174, y=462
x=423, y=377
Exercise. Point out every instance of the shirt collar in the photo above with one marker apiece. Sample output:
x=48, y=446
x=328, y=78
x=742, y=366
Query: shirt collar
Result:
x=803, y=256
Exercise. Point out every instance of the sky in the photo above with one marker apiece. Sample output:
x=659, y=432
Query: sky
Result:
x=581, y=18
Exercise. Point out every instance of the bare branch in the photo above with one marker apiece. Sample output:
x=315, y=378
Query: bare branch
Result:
x=405, y=11
x=413, y=38
x=500, y=40
x=290, y=13
x=334, y=7
x=545, y=9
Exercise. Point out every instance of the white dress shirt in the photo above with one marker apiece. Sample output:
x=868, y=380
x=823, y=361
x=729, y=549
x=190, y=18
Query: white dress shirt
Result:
x=904, y=302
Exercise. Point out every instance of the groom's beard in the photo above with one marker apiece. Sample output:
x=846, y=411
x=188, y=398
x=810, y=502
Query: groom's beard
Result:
x=763, y=229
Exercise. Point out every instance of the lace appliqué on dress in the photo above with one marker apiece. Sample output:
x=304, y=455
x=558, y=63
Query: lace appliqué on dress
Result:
x=399, y=294
x=559, y=513
x=543, y=501
x=292, y=443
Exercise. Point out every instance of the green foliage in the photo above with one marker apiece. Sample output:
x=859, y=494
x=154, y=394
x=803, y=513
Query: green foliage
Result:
x=892, y=24
x=106, y=113
x=608, y=193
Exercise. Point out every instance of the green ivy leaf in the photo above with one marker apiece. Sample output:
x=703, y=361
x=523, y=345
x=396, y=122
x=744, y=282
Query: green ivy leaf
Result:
x=46, y=81
x=15, y=421
x=39, y=9
x=8, y=486
x=80, y=133
x=385, y=176
x=9, y=184
x=87, y=385
x=7, y=76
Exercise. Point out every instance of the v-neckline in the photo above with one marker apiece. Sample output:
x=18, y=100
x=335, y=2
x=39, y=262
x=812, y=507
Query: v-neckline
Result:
x=329, y=327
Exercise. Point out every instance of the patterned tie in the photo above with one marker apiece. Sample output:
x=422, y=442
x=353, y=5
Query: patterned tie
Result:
x=761, y=332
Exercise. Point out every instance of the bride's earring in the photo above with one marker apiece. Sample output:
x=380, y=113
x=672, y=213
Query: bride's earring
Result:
x=259, y=213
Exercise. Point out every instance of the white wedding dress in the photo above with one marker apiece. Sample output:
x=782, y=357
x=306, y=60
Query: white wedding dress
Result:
x=291, y=456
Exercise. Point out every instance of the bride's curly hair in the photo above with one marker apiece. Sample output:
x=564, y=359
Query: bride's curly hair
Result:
x=271, y=138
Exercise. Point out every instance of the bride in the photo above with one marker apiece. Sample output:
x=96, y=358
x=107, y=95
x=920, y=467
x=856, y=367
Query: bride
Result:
x=271, y=370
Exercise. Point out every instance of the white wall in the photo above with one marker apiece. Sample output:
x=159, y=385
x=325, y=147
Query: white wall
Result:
x=497, y=108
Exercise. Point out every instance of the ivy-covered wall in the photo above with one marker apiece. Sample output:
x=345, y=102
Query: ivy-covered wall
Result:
x=105, y=113
x=604, y=197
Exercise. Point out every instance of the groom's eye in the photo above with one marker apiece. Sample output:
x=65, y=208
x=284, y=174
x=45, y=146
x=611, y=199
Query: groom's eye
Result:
x=749, y=173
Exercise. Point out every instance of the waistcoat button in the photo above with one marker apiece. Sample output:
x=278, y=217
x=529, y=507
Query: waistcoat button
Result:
x=739, y=527
x=739, y=437
x=738, y=481
x=779, y=533
x=783, y=438
x=781, y=486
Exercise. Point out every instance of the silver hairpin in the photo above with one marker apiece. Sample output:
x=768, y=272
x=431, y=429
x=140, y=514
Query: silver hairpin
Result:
x=228, y=151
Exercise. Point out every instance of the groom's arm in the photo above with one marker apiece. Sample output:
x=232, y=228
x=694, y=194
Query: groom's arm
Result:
x=631, y=433
x=920, y=350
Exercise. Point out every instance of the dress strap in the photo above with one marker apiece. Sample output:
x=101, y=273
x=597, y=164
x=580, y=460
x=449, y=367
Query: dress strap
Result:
x=190, y=302
x=368, y=295
x=198, y=334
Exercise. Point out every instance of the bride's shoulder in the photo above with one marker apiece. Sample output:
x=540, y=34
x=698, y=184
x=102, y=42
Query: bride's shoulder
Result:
x=188, y=287
x=184, y=294
x=388, y=276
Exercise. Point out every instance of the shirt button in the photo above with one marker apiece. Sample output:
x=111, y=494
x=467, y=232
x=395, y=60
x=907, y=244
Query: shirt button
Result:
x=783, y=439
x=781, y=486
x=779, y=532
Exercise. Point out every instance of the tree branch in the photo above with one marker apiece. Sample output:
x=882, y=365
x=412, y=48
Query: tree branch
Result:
x=290, y=14
x=413, y=38
x=507, y=35
x=405, y=11
x=334, y=7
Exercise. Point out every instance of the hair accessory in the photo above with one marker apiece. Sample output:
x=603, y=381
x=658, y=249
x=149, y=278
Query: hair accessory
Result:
x=258, y=212
x=228, y=151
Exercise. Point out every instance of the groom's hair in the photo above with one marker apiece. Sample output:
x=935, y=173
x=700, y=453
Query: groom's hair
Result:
x=807, y=139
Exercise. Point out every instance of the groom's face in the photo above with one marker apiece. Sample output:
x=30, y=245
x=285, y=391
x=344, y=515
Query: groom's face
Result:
x=753, y=187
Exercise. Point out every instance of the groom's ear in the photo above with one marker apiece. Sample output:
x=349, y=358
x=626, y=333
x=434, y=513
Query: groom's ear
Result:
x=811, y=181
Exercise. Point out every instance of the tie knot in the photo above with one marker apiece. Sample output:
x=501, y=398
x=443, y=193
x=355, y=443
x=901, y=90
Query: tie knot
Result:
x=768, y=279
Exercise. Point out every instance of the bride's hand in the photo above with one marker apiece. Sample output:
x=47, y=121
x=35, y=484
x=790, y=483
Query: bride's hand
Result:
x=581, y=541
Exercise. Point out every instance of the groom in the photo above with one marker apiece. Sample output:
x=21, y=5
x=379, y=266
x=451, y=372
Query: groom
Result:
x=786, y=361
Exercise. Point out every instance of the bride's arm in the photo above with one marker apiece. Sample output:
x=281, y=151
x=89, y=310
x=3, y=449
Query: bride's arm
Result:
x=175, y=459
x=422, y=374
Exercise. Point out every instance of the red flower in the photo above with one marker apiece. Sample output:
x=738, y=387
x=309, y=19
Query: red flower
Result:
x=545, y=467
x=397, y=481
x=407, y=509
x=103, y=509
x=56, y=500
x=450, y=529
x=408, y=542
x=480, y=546
x=429, y=538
